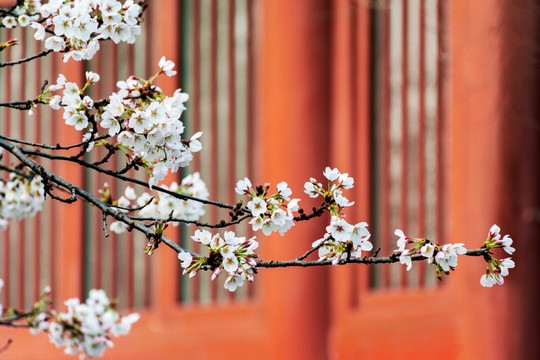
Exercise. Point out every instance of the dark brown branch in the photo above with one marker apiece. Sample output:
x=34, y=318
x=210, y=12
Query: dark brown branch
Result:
x=27, y=59
x=364, y=260
x=69, y=200
x=136, y=209
x=53, y=147
x=306, y=254
x=221, y=224
x=19, y=105
x=13, y=324
x=15, y=171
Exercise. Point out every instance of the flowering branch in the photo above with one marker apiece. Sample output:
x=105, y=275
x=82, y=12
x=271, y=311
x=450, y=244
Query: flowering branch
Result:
x=394, y=258
x=85, y=329
x=143, y=125
x=118, y=215
x=114, y=174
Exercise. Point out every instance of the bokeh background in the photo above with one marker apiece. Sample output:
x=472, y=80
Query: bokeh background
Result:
x=431, y=105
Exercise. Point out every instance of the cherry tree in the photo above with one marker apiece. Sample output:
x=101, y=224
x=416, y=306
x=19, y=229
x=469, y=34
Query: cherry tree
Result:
x=142, y=125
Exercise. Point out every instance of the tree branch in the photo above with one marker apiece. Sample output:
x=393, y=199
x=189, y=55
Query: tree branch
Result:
x=53, y=147
x=364, y=260
x=86, y=196
x=128, y=179
x=221, y=224
x=27, y=59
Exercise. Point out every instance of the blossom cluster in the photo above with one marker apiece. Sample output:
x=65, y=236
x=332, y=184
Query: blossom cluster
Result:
x=445, y=256
x=497, y=269
x=85, y=328
x=20, y=197
x=23, y=14
x=341, y=240
x=271, y=212
x=230, y=253
x=162, y=205
x=78, y=25
x=145, y=121
x=337, y=182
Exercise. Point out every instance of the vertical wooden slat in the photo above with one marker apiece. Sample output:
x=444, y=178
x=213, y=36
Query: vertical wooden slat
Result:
x=214, y=116
x=441, y=113
x=343, y=48
x=250, y=93
x=231, y=119
x=113, y=240
x=353, y=130
x=397, y=121
x=130, y=248
x=251, y=109
x=149, y=38
x=384, y=141
x=421, y=159
x=38, y=137
x=414, y=141
x=68, y=223
x=21, y=118
x=164, y=43
x=431, y=119
x=404, y=199
x=54, y=210
x=231, y=92
x=195, y=109
x=6, y=127
x=190, y=48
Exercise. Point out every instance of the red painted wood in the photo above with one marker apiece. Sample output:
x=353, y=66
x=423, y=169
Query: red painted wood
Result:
x=164, y=263
x=294, y=139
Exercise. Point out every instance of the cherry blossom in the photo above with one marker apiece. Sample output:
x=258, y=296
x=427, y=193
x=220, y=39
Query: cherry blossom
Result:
x=496, y=269
x=77, y=25
x=85, y=328
x=20, y=197
x=228, y=252
x=162, y=205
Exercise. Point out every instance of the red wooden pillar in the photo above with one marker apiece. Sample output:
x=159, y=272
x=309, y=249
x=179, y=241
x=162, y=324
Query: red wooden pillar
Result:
x=294, y=141
x=68, y=218
x=164, y=42
x=351, y=130
x=520, y=193
x=477, y=147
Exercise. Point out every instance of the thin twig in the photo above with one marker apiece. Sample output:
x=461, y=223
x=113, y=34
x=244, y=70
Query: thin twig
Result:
x=302, y=257
x=134, y=209
x=27, y=59
x=221, y=224
x=53, y=147
x=15, y=171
